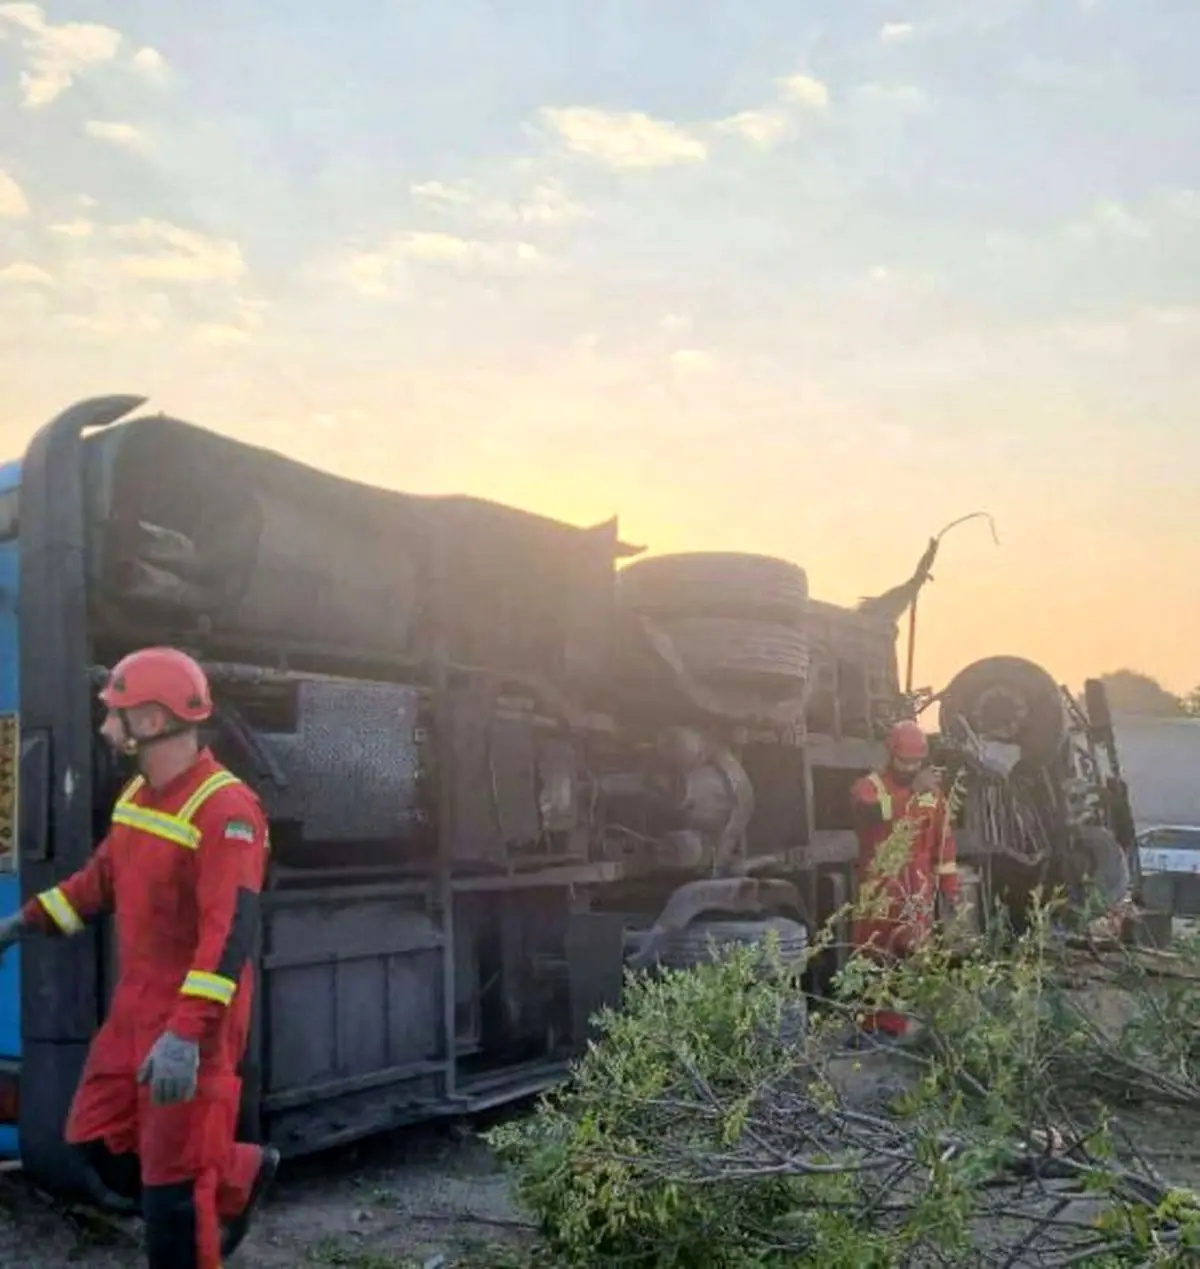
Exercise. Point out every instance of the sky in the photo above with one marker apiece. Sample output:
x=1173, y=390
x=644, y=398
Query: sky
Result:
x=795, y=277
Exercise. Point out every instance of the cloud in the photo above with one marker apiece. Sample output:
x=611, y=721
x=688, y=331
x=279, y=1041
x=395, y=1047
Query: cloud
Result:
x=13, y=203
x=458, y=195
x=1136, y=348
x=178, y=255
x=1109, y=227
x=766, y=126
x=244, y=322
x=1110, y=221
x=368, y=272
x=760, y=127
x=383, y=269
x=22, y=273
x=151, y=64
x=439, y=248
x=117, y=317
x=895, y=32
x=126, y=135
x=79, y=228
x=690, y=361
x=629, y=139
x=546, y=203
x=55, y=53
x=804, y=90
x=141, y=279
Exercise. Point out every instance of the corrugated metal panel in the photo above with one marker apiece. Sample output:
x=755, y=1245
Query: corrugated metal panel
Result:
x=1160, y=758
x=269, y=549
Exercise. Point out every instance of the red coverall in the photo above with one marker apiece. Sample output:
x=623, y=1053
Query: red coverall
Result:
x=901, y=905
x=182, y=868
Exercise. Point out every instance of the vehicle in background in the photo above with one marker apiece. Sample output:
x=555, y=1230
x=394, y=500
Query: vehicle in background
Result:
x=498, y=769
x=1169, y=857
x=1161, y=761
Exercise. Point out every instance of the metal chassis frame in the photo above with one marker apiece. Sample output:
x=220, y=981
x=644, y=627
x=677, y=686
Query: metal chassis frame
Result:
x=61, y=980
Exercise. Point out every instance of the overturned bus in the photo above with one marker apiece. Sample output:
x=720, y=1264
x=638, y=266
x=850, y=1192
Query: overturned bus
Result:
x=498, y=768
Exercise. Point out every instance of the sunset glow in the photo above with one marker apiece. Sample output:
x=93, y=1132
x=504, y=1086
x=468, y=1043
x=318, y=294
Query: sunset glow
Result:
x=805, y=280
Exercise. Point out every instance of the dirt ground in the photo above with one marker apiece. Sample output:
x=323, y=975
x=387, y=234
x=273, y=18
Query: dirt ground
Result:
x=428, y=1198
x=431, y=1197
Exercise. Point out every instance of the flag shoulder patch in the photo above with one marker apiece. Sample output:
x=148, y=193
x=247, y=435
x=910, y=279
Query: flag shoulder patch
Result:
x=239, y=831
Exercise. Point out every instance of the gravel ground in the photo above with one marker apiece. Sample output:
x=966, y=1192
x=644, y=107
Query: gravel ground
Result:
x=428, y=1198
x=425, y=1198
x=421, y=1198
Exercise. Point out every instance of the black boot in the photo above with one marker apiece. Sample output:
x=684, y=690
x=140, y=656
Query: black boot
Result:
x=170, y=1213
x=235, y=1231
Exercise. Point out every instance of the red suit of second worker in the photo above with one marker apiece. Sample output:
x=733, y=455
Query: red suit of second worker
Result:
x=899, y=895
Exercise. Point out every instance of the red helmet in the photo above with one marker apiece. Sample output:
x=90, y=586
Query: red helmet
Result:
x=906, y=742
x=160, y=676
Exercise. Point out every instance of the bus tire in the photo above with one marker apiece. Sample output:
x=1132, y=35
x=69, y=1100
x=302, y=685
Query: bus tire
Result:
x=1096, y=868
x=707, y=938
x=726, y=650
x=715, y=583
x=1012, y=691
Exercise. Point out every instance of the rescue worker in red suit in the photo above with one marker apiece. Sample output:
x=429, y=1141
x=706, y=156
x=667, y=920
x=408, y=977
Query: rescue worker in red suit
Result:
x=900, y=901
x=181, y=868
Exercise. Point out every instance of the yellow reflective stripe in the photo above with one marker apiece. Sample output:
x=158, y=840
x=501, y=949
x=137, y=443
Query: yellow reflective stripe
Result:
x=947, y=870
x=177, y=828
x=131, y=788
x=926, y=799
x=205, y=986
x=157, y=824
x=881, y=792
x=215, y=782
x=58, y=908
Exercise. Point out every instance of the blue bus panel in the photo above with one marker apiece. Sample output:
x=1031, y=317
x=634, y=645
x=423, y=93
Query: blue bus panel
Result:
x=10, y=971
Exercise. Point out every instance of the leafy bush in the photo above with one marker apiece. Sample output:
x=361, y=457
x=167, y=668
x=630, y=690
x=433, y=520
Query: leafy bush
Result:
x=692, y=1135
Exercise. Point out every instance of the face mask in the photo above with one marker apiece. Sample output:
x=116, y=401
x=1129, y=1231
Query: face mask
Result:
x=903, y=778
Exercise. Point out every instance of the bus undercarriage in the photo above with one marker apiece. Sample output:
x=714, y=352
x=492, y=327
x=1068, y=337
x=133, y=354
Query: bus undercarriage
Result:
x=497, y=769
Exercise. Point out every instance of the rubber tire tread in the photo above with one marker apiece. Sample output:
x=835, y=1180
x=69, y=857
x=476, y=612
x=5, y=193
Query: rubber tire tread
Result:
x=715, y=583
x=1045, y=727
x=1104, y=862
x=718, y=649
x=700, y=943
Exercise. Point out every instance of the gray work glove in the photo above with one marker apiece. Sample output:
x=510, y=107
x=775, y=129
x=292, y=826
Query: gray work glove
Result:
x=10, y=932
x=171, y=1068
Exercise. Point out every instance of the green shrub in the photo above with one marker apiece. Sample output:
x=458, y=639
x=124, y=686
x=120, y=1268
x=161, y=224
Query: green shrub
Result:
x=692, y=1135
x=590, y=1162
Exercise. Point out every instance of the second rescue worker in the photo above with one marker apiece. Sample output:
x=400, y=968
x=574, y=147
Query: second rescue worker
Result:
x=901, y=914
x=182, y=868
